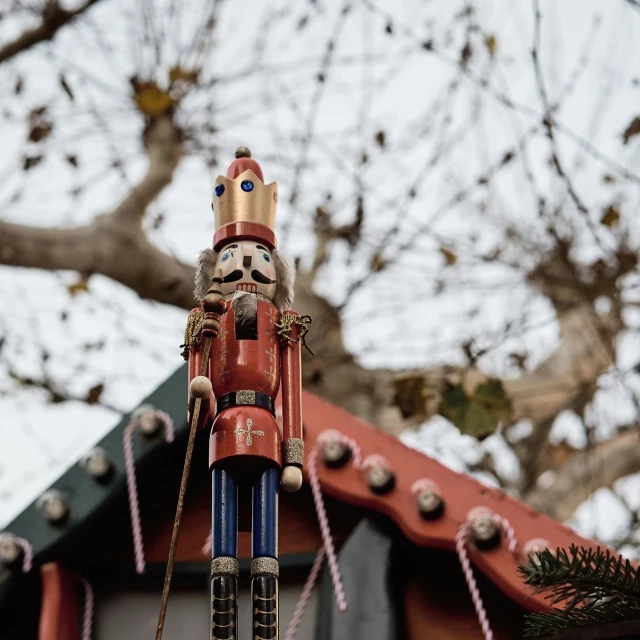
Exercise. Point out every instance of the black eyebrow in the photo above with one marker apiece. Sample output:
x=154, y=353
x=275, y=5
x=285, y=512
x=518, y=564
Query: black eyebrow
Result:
x=231, y=246
x=259, y=246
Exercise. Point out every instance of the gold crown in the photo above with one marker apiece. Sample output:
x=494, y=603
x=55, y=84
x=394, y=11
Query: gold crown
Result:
x=245, y=199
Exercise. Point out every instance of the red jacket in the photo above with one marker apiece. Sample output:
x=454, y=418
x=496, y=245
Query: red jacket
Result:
x=255, y=364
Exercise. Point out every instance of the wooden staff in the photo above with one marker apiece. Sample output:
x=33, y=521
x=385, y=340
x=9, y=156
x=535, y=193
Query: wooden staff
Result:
x=200, y=389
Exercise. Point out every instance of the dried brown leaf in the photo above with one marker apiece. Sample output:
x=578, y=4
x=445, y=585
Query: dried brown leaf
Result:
x=411, y=395
x=151, y=100
x=80, y=286
x=491, y=43
x=93, y=395
x=466, y=53
x=632, y=130
x=378, y=263
x=39, y=132
x=611, y=216
x=507, y=158
x=31, y=161
x=40, y=126
x=450, y=257
x=178, y=74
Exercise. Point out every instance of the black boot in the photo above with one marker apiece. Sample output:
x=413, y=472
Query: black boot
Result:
x=224, y=599
x=264, y=598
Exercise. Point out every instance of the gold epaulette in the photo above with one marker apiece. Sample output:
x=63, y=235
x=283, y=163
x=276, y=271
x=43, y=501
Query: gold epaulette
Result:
x=287, y=322
x=193, y=332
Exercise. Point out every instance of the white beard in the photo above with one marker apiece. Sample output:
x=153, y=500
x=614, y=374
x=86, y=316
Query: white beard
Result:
x=245, y=305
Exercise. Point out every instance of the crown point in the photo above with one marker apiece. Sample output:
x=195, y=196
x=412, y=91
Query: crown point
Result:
x=243, y=152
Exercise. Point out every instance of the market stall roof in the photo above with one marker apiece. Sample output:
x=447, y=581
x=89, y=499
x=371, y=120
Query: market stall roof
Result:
x=94, y=528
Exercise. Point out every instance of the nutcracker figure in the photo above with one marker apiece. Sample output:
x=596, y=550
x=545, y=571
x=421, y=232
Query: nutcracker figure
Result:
x=245, y=289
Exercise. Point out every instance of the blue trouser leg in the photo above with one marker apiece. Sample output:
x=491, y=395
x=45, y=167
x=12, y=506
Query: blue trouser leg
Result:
x=265, y=514
x=224, y=551
x=264, y=550
x=224, y=514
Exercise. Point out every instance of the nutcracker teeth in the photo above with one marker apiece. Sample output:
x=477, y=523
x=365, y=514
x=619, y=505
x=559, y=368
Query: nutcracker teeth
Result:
x=252, y=288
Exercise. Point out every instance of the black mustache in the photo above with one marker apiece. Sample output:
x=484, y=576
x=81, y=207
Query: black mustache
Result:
x=238, y=274
x=233, y=276
x=261, y=278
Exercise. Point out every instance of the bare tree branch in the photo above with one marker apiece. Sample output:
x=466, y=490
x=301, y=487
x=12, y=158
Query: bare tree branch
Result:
x=54, y=17
x=634, y=3
x=58, y=393
x=163, y=144
x=114, y=245
x=587, y=471
x=565, y=380
x=549, y=127
x=101, y=248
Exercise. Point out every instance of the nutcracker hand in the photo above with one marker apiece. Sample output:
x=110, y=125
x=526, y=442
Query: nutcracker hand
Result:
x=291, y=479
x=200, y=387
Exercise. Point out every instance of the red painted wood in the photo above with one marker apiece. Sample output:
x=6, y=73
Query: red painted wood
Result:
x=240, y=165
x=59, y=609
x=253, y=365
x=247, y=364
x=244, y=231
x=291, y=385
x=460, y=492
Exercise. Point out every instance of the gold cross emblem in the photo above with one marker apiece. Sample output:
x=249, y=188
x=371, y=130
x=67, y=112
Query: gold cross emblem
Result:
x=250, y=432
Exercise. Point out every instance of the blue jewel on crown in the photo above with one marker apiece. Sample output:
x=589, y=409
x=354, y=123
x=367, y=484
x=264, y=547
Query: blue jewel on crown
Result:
x=219, y=190
x=246, y=185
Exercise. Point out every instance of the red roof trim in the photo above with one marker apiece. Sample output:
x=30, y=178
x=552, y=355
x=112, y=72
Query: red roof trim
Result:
x=460, y=492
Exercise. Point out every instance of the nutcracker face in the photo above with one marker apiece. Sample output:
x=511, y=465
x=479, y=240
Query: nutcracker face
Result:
x=247, y=266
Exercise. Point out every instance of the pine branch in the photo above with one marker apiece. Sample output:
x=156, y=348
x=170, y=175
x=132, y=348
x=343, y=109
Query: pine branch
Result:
x=540, y=625
x=582, y=576
x=594, y=585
